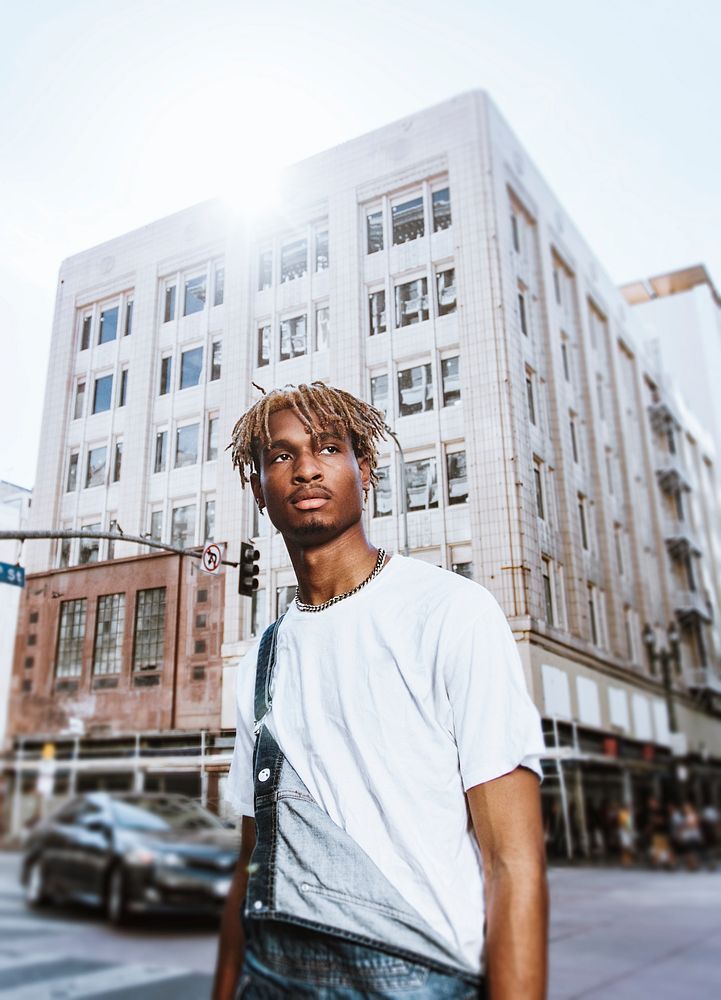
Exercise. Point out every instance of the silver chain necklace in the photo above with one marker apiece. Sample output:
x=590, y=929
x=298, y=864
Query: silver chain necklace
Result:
x=341, y=597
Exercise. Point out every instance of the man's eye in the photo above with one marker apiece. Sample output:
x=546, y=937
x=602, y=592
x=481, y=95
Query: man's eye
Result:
x=283, y=455
x=332, y=449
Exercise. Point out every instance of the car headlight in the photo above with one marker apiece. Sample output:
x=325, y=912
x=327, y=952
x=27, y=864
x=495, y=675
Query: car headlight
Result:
x=170, y=859
x=141, y=856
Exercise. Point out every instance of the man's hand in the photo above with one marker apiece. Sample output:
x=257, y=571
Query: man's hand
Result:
x=506, y=816
x=231, y=947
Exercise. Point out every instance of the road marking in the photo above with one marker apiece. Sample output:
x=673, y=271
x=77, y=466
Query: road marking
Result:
x=93, y=983
x=27, y=922
x=17, y=960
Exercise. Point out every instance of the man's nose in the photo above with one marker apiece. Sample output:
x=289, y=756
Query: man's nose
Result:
x=307, y=467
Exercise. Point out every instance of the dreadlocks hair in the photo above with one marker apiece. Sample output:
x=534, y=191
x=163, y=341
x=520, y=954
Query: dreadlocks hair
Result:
x=318, y=406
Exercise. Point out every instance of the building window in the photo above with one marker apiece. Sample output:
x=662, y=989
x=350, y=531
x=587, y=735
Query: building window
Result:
x=412, y=302
x=321, y=250
x=292, y=337
x=149, y=633
x=117, y=461
x=592, y=614
x=530, y=398
x=379, y=392
x=374, y=231
x=377, y=312
x=450, y=376
x=408, y=223
x=514, y=232
x=209, y=521
x=263, y=345
x=216, y=360
x=219, y=285
x=322, y=328
x=95, y=471
x=421, y=484
x=258, y=613
x=89, y=547
x=441, y=209
x=128, y=318
x=65, y=544
x=71, y=633
x=574, y=440
x=464, y=569
x=186, y=445
x=538, y=485
x=618, y=542
x=79, y=400
x=156, y=526
x=522, y=313
x=265, y=269
x=182, y=526
x=72, y=480
x=382, y=494
x=564, y=358
x=283, y=599
x=457, y=477
x=112, y=526
x=103, y=394
x=123, y=387
x=582, y=520
x=211, y=449
x=415, y=390
x=293, y=260
x=202, y=596
x=191, y=363
x=548, y=591
x=166, y=374
x=194, y=295
x=169, y=311
x=108, y=325
x=161, y=451
x=85, y=333
x=557, y=286
x=446, y=291
x=108, y=652
x=599, y=395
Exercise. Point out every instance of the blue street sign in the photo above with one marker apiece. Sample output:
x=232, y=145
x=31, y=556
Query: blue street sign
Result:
x=12, y=574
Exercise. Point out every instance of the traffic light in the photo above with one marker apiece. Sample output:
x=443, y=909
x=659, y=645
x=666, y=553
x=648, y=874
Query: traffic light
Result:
x=249, y=569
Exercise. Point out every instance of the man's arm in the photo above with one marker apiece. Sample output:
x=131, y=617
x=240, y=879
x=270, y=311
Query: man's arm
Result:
x=506, y=815
x=231, y=947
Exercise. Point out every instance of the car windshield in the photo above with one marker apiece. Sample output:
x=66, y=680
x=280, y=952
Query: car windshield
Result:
x=163, y=815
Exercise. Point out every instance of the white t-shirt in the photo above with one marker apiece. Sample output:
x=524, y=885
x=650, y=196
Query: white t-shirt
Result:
x=389, y=705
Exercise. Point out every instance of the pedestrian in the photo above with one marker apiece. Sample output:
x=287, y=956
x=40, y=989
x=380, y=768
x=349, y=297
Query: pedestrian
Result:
x=386, y=746
x=690, y=835
x=710, y=831
x=658, y=842
x=626, y=835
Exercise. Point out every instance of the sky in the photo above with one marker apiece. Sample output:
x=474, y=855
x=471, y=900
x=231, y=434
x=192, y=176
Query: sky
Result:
x=118, y=112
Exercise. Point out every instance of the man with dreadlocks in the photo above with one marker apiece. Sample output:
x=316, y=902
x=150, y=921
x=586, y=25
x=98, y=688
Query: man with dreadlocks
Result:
x=385, y=751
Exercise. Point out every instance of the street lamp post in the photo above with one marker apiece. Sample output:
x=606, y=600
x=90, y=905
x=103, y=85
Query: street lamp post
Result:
x=666, y=655
x=404, y=509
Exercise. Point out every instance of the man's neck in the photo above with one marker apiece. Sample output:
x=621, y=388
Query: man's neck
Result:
x=333, y=568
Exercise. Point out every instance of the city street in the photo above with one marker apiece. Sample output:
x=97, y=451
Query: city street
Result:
x=631, y=934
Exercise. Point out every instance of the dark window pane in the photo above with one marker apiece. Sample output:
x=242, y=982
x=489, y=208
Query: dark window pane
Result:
x=156, y=526
x=95, y=474
x=446, y=291
x=89, y=547
x=219, y=285
x=129, y=318
x=108, y=325
x=412, y=302
x=103, y=394
x=421, y=484
x=109, y=622
x=382, y=495
x=191, y=363
x=538, y=482
x=374, y=228
x=79, y=400
x=379, y=392
x=293, y=260
x=530, y=400
x=149, y=639
x=169, y=312
x=522, y=313
x=322, y=328
x=321, y=250
x=547, y=593
x=71, y=633
x=166, y=375
x=72, y=483
x=186, y=445
x=194, y=295
x=441, y=209
x=161, y=451
x=263, y=345
x=415, y=390
x=117, y=460
x=292, y=337
x=209, y=526
x=284, y=597
x=85, y=335
x=463, y=569
x=457, y=478
x=212, y=443
x=182, y=527
x=216, y=359
x=451, y=381
x=377, y=312
x=123, y=391
x=408, y=220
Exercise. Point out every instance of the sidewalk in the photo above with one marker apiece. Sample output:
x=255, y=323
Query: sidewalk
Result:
x=634, y=934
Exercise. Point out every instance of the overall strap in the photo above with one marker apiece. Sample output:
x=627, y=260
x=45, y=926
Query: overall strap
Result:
x=264, y=672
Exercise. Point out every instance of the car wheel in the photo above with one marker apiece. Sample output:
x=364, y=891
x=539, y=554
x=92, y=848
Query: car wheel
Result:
x=35, y=891
x=115, y=893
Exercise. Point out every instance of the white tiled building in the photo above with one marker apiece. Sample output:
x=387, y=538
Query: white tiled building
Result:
x=427, y=267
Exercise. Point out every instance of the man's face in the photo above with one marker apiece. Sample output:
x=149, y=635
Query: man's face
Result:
x=313, y=491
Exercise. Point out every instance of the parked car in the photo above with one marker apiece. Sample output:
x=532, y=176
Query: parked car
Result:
x=131, y=853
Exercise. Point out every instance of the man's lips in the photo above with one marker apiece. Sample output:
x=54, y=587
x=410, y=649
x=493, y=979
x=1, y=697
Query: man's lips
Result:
x=309, y=499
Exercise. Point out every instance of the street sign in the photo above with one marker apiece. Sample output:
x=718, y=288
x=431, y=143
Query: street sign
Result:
x=212, y=559
x=12, y=574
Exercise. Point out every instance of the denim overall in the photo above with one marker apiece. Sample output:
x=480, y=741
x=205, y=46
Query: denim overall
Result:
x=321, y=919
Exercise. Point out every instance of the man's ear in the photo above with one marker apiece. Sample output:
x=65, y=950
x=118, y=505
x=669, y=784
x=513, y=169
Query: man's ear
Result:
x=365, y=471
x=257, y=489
